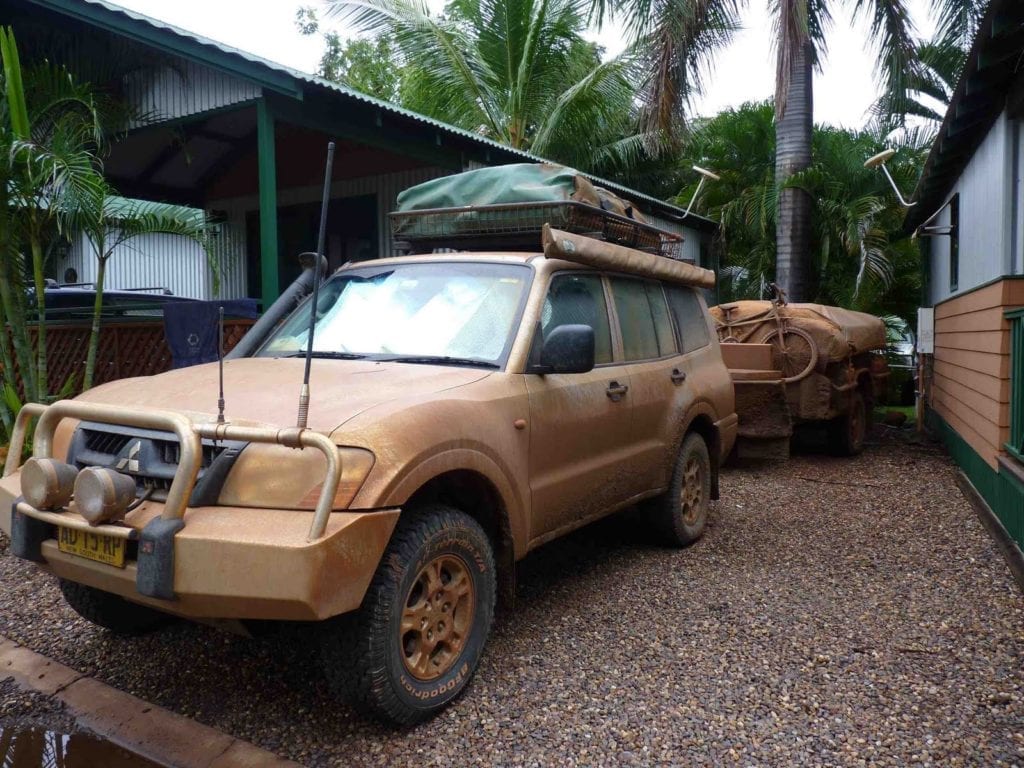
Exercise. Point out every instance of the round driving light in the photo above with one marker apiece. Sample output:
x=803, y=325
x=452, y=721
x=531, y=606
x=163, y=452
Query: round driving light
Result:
x=47, y=483
x=103, y=495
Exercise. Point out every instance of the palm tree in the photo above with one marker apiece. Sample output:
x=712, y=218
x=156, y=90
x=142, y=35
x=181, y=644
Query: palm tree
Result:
x=49, y=134
x=111, y=223
x=856, y=253
x=516, y=71
x=677, y=38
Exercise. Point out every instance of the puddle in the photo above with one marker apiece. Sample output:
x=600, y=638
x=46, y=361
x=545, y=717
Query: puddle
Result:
x=36, y=748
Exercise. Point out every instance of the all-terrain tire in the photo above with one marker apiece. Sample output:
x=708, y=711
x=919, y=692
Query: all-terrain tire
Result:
x=380, y=658
x=111, y=611
x=681, y=513
x=846, y=434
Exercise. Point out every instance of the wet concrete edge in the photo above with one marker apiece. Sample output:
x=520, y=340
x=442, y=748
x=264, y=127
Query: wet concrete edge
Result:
x=127, y=721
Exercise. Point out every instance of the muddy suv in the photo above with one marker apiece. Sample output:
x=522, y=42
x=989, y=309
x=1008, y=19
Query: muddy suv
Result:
x=465, y=409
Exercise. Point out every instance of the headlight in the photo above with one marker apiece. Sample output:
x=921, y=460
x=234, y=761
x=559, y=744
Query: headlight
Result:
x=276, y=477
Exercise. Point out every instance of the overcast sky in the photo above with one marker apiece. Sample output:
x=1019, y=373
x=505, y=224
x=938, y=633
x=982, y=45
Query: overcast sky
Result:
x=745, y=71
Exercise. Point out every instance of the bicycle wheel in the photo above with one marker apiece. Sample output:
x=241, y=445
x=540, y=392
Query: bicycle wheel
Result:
x=795, y=353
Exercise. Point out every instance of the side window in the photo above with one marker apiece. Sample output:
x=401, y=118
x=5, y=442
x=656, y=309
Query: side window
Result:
x=690, y=318
x=636, y=320
x=578, y=299
x=662, y=321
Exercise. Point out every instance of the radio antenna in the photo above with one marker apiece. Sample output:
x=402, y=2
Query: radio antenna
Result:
x=321, y=237
x=220, y=364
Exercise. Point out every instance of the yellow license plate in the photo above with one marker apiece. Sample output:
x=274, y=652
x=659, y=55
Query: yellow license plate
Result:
x=95, y=546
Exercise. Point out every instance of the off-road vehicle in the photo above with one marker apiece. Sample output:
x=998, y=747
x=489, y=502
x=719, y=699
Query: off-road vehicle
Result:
x=465, y=408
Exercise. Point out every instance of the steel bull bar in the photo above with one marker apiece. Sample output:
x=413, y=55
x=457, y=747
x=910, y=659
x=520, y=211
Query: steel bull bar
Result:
x=155, y=562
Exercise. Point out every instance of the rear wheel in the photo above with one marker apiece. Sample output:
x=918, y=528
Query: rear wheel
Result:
x=847, y=432
x=681, y=513
x=415, y=642
x=111, y=611
x=794, y=353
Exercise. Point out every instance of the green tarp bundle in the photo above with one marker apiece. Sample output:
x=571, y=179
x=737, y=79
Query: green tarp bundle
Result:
x=500, y=185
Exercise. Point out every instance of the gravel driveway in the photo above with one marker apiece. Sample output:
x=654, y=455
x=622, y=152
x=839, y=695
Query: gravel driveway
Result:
x=838, y=612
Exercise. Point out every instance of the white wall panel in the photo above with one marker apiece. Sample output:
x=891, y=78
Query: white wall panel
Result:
x=187, y=89
x=986, y=212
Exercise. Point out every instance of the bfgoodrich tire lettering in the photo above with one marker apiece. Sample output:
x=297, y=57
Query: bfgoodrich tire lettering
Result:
x=437, y=576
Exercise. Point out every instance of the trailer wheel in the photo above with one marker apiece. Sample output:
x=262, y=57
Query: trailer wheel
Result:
x=795, y=353
x=681, y=513
x=847, y=432
x=111, y=611
x=415, y=642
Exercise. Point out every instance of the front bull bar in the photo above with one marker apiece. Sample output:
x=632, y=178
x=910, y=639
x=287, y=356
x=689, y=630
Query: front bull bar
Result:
x=190, y=436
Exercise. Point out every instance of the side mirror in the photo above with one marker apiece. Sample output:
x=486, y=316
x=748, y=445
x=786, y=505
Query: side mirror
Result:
x=567, y=349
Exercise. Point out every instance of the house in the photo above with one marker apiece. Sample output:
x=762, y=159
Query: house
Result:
x=969, y=218
x=245, y=139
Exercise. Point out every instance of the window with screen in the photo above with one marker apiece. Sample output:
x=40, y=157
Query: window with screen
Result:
x=691, y=321
x=578, y=299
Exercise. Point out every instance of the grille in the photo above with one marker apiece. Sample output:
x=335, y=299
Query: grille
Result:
x=153, y=464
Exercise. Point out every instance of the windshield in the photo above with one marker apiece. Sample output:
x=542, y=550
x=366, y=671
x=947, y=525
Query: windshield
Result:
x=448, y=312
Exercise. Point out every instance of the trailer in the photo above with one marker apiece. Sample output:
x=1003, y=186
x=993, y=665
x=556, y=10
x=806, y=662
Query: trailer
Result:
x=797, y=364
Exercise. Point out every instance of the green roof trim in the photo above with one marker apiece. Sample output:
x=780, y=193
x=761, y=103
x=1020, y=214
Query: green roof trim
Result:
x=293, y=83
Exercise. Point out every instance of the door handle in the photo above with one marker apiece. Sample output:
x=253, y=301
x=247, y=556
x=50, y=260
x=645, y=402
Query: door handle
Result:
x=615, y=391
x=678, y=377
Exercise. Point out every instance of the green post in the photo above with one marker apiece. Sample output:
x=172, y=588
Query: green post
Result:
x=267, y=162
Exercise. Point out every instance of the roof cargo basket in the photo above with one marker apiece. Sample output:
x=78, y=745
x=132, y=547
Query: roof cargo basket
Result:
x=505, y=208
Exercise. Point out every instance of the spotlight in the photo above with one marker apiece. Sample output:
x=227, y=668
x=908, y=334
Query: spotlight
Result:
x=47, y=483
x=103, y=495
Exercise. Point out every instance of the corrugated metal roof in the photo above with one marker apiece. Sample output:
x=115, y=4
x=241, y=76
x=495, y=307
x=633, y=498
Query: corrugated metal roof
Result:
x=260, y=66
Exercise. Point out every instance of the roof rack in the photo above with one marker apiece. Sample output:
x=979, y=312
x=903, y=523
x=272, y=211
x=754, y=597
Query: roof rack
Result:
x=518, y=226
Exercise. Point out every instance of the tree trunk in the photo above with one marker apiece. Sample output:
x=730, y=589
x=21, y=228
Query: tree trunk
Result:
x=792, y=154
x=94, y=333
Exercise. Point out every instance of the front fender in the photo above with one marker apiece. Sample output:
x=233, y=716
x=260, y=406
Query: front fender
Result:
x=400, y=488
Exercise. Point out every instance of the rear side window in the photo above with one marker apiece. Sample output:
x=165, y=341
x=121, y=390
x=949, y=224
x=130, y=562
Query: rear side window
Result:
x=690, y=318
x=643, y=319
x=579, y=300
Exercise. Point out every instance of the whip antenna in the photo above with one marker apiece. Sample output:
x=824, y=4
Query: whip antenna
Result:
x=304, y=392
x=220, y=364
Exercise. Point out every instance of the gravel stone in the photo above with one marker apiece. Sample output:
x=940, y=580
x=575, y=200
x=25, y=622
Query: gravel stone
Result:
x=838, y=612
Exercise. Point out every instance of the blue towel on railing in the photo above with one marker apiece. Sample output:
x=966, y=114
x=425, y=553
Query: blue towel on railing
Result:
x=192, y=328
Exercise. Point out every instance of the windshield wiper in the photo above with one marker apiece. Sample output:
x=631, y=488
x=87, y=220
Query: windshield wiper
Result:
x=331, y=355
x=439, y=360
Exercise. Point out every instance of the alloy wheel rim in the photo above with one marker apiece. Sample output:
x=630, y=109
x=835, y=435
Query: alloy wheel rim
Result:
x=437, y=617
x=693, y=491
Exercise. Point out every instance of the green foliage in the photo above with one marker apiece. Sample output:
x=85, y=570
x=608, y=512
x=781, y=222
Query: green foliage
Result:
x=517, y=71
x=859, y=257
x=367, y=65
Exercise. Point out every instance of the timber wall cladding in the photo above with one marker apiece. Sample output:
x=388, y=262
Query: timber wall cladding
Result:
x=971, y=374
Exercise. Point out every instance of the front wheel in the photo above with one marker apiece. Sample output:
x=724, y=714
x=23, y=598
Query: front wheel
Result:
x=681, y=513
x=111, y=611
x=415, y=642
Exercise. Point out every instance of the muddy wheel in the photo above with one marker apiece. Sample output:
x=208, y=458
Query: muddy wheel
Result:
x=847, y=432
x=681, y=513
x=111, y=611
x=794, y=353
x=415, y=642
